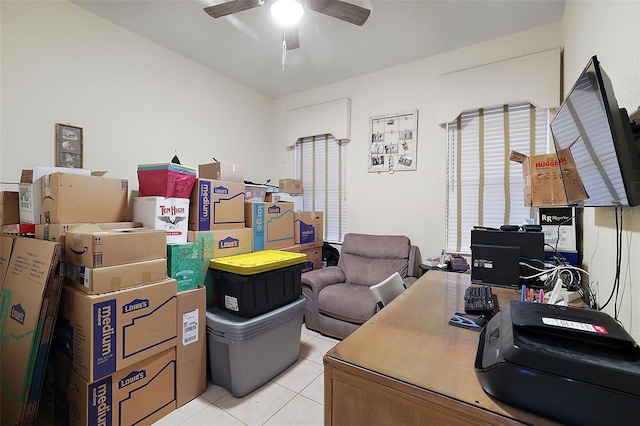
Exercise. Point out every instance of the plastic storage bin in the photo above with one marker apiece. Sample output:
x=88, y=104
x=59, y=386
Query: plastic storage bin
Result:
x=244, y=354
x=252, y=284
x=166, y=180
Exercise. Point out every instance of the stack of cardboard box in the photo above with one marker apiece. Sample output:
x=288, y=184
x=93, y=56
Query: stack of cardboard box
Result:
x=308, y=225
x=128, y=348
x=216, y=218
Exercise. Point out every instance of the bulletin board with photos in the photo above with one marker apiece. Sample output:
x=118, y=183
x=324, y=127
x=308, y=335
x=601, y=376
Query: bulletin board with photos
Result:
x=394, y=142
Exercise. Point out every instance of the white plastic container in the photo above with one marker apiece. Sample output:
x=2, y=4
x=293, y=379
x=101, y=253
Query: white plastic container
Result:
x=244, y=354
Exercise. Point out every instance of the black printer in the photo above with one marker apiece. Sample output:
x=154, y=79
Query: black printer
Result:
x=574, y=365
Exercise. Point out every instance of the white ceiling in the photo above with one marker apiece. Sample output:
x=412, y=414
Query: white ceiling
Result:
x=247, y=46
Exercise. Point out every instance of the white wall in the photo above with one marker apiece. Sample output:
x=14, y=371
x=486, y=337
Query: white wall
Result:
x=609, y=29
x=408, y=203
x=137, y=102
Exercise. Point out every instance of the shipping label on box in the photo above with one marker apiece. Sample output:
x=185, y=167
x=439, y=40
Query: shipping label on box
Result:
x=24, y=301
x=103, y=333
x=78, y=198
x=29, y=199
x=219, y=243
x=216, y=204
x=191, y=350
x=94, y=247
x=550, y=179
x=183, y=262
x=138, y=395
x=111, y=278
x=271, y=224
x=222, y=171
x=308, y=227
x=167, y=214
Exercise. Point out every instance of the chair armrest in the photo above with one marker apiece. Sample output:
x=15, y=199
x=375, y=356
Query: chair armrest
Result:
x=414, y=262
x=318, y=279
x=312, y=283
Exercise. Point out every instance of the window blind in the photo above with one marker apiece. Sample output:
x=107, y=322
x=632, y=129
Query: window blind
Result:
x=320, y=164
x=484, y=188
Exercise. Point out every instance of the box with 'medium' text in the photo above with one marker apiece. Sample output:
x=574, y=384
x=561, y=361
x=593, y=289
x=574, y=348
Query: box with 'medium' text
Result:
x=140, y=394
x=216, y=204
x=103, y=333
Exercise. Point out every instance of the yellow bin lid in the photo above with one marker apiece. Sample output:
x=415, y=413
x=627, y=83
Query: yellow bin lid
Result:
x=257, y=262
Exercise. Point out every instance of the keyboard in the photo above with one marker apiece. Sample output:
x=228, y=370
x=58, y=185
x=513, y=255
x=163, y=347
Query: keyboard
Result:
x=478, y=300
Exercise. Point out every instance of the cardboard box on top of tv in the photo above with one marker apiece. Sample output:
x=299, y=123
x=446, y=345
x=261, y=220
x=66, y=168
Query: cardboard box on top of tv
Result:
x=550, y=179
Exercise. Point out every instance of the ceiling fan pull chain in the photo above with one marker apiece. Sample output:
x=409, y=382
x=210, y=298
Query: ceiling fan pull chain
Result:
x=284, y=48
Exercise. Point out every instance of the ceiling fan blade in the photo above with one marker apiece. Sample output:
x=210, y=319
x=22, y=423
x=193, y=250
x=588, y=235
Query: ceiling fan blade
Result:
x=231, y=7
x=338, y=9
x=291, y=38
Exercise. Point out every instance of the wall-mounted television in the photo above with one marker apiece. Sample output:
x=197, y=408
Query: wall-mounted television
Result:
x=601, y=139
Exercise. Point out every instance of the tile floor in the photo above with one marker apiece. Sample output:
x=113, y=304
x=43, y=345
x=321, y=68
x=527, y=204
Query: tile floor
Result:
x=295, y=397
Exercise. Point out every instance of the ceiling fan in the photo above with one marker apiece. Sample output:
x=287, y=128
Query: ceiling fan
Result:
x=334, y=8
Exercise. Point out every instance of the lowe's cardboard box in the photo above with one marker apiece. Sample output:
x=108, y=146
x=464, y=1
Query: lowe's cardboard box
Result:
x=216, y=204
x=140, y=394
x=308, y=228
x=550, y=179
x=112, y=278
x=104, y=333
x=214, y=244
x=167, y=214
x=29, y=301
x=191, y=350
x=271, y=224
x=77, y=198
x=94, y=247
x=314, y=255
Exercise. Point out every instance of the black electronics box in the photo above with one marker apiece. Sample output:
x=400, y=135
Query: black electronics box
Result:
x=501, y=258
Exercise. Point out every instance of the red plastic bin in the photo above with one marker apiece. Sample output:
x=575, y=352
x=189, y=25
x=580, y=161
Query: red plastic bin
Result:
x=166, y=180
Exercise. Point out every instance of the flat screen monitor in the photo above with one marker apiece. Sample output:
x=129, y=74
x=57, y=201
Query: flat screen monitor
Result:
x=601, y=139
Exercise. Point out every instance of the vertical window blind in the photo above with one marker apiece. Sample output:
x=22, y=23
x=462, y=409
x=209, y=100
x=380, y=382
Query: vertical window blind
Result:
x=484, y=188
x=321, y=165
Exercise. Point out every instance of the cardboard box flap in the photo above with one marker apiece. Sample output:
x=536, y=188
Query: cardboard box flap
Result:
x=26, y=176
x=517, y=157
x=99, y=173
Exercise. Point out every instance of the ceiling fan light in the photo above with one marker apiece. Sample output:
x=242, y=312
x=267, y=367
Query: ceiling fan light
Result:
x=286, y=12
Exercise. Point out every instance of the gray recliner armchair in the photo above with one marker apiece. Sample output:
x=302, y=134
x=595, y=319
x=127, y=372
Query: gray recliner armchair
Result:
x=338, y=299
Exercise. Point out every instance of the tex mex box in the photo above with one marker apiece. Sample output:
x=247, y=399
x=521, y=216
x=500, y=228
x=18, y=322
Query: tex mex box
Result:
x=103, y=333
x=216, y=204
x=137, y=395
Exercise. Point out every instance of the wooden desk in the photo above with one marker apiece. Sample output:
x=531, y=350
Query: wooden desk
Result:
x=407, y=366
